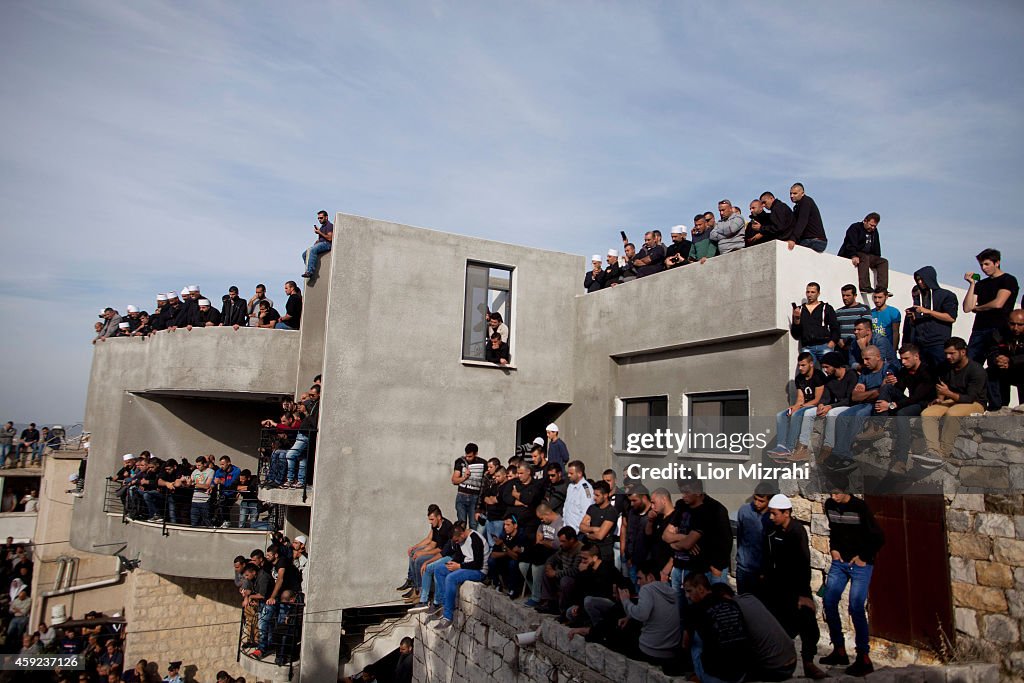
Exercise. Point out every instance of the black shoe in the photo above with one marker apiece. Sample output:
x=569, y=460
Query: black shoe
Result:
x=547, y=608
x=307, y=275
x=861, y=667
x=408, y=593
x=837, y=658
x=405, y=586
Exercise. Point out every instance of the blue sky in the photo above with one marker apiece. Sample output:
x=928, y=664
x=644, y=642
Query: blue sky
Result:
x=151, y=145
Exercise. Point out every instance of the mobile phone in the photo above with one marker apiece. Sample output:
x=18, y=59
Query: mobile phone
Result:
x=793, y=304
x=622, y=234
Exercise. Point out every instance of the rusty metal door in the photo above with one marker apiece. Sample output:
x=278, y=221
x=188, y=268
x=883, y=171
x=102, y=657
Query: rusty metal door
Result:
x=910, y=598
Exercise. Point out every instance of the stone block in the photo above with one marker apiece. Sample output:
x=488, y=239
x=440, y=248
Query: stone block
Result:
x=615, y=666
x=1009, y=503
x=1015, y=600
x=994, y=574
x=595, y=656
x=962, y=569
x=1009, y=551
x=966, y=621
x=576, y=648
x=965, y=448
x=1018, y=526
x=1000, y=629
x=982, y=598
x=819, y=525
x=968, y=501
x=959, y=520
x=994, y=524
x=637, y=672
x=972, y=673
x=969, y=545
x=989, y=477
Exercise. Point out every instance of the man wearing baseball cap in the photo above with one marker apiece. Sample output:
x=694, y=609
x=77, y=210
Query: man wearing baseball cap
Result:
x=787, y=568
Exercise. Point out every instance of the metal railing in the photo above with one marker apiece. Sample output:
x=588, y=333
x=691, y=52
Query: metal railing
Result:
x=271, y=630
x=282, y=456
x=221, y=510
x=114, y=497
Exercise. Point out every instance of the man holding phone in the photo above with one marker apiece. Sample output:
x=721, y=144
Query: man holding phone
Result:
x=325, y=236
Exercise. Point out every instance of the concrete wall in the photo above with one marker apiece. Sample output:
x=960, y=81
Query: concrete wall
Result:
x=395, y=414
x=51, y=536
x=187, y=552
x=247, y=364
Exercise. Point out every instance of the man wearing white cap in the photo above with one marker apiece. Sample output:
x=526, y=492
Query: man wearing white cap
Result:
x=558, y=452
x=612, y=270
x=132, y=319
x=175, y=313
x=111, y=320
x=787, y=567
x=677, y=253
x=594, y=279
x=208, y=315
x=300, y=558
x=124, y=329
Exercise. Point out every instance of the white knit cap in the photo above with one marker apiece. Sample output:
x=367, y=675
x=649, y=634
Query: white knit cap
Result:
x=193, y=288
x=678, y=229
x=161, y=297
x=172, y=295
x=123, y=326
x=204, y=302
x=613, y=252
x=300, y=539
x=127, y=456
x=552, y=427
x=184, y=291
x=780, y=501
x=596, y=257
x=538, y=441
x=132, y=309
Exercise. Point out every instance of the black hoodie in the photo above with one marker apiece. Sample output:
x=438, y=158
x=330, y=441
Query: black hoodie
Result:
x=924, y=330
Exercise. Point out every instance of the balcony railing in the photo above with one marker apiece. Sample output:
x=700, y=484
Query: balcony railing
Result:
x=114, y=496
x=222, y=510
x=286, y=456
x=271, y=631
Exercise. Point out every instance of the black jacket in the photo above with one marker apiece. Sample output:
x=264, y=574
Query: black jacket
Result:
x=853, y=531
x=807, y=223
x=860, y=241
x=787, y=560
x=924, y=330
x=1004, y=343
x=818, y=327
x=234, y=312
x=782, y=219
x=593, y=284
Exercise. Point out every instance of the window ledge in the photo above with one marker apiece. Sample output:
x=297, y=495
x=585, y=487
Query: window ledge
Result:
x=486, y=364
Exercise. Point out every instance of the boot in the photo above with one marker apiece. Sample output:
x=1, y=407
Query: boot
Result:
x=813, y=672
x=862, y=666
x=823, y=454
x=838, y=657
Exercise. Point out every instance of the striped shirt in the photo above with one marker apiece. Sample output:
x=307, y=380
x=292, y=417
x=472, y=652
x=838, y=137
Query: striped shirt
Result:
x=848, y=315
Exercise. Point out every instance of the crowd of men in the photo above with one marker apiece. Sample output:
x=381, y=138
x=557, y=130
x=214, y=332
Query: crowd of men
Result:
x=643, y=574
x=850, y=375
x=193, y=309
x=770, y=219
x=270, y=583
x=26, y=449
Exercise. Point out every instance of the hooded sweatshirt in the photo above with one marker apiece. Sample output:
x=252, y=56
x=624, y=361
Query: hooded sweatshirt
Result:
x=924, y=330
x=729, y=234
x=657, y=610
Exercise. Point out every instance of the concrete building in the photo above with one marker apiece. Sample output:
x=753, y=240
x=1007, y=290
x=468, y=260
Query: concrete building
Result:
x=397, y=336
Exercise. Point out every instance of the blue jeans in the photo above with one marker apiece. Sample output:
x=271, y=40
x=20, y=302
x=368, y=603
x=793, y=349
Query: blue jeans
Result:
x=248, y=512
x=494, y=528
x=278, y=467
x=268, y=617
x=465, y=507
x=818, y=351
x=283, y=326
x=37, y=452
x=297, y=458
x=978, y=347
x=839, y=574
x=5, y=450
x=154, y=503
x=816, y=245
x=788, y=427
x=415, y=564
x=448, y=583
x=849, y=426
x=311, y=257
x=201, y=513
x=427, y=580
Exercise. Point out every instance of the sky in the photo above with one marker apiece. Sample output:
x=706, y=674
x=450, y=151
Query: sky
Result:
x=150, y=145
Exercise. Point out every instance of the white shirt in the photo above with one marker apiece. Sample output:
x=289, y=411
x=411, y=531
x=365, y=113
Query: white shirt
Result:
x=578, y=498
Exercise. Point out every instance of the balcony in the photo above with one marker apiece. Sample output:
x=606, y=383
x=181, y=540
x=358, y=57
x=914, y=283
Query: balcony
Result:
x=274, y=469
x=278, y=631
x=169, y=534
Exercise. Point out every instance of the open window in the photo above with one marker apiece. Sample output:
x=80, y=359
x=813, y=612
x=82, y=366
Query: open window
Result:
x=488, y=291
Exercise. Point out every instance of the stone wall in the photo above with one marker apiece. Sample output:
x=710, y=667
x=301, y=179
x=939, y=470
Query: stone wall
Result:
x=178, y=618
x=481, y=646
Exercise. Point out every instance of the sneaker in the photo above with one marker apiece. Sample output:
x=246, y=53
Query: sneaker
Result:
x=929, y=459
x=422, y=607
x=405, y=586
x=436, y=612
x=836, y=658
x=256, y=654
x=531, y=603
x=778, y=451
x=801, y=454
x=861, y=667
x=443, y=624
x=225, y=525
